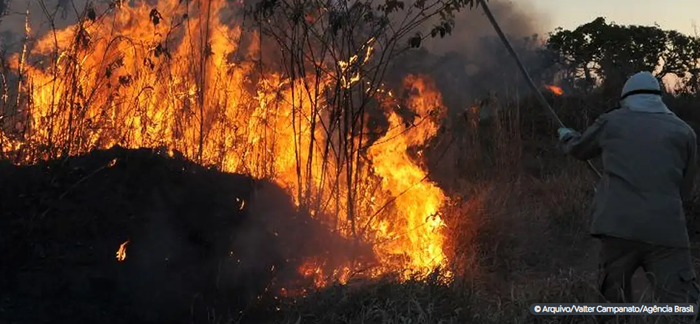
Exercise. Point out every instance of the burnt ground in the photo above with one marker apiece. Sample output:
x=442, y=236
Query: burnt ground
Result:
x=195, y=252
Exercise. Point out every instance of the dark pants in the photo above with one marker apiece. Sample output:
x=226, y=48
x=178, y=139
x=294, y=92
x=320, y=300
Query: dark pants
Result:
x=669, y=270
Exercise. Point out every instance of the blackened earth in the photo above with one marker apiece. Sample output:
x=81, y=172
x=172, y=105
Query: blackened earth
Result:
x=204, y=246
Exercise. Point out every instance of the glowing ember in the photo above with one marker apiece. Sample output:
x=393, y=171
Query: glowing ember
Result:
x=313, y=269
x=121, y=253
x=556, y=90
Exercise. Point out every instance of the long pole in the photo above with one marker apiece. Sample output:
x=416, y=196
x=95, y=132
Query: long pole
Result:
x=531, y=83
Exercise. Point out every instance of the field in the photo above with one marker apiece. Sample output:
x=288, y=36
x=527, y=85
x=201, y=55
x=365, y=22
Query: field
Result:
x=519, y=237
x=61, y=235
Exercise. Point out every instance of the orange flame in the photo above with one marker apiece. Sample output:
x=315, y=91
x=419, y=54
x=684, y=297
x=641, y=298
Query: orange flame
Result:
x=556, y=90
x=313, y=269
x=121, y=253
x=105, y=88
x=417, y=201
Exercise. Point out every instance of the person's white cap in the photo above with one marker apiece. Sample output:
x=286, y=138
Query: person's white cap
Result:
x=641, y=83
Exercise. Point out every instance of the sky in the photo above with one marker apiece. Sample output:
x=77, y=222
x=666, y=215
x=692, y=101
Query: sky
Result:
x=679, y=15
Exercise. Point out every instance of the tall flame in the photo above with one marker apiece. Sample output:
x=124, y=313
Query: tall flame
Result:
x=417, y=201
x=141, y=77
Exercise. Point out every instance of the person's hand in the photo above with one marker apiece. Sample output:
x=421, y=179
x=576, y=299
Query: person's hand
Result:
x=564, y=132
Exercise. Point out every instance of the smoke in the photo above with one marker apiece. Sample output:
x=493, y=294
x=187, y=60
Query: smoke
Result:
x=63, y=13
x=471, y=26
x=278, y=234
x=472, y=58
x=471, y=63
x=45, y=15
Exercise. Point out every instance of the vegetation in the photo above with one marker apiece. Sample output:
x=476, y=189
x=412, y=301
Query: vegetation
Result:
x=606, y=53
x=516, y=218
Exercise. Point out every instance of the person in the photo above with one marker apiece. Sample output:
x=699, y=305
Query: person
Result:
x=649, y=158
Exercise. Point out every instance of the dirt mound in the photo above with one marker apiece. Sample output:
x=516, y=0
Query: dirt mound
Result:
x=200, y=242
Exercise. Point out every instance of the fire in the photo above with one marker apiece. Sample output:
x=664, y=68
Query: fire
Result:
x=313, y=269
x=351, y=66
x=138, y=77
x=121, y=253
x=417, y=201
x=556, y=90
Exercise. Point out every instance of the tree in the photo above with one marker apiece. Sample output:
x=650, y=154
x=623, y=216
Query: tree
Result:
x=337, y=53
x=601, y=53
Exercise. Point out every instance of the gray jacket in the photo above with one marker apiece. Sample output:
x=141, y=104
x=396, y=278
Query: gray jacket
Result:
x=649, y=159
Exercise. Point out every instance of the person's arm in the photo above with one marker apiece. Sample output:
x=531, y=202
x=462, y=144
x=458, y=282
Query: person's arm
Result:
x=690, y=169
x=587, y=145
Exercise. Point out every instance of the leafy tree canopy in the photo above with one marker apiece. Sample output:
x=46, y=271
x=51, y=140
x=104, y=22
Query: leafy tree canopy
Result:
x=602, y=53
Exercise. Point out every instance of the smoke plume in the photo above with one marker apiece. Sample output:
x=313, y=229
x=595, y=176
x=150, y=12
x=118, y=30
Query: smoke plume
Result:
x=472, y=63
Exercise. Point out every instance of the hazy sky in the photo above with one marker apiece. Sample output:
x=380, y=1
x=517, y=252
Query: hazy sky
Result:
x=680, y=15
